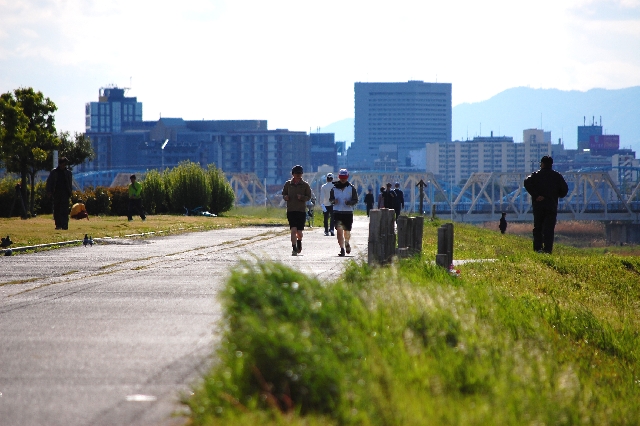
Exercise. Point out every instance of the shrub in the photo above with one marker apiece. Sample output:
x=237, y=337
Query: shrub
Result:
x=154, y=194
x=97, y=201
x=187, y=187
x=119, y=200
x=8, y=196
x=42, y=204
x=222, y=196
x=289, y=343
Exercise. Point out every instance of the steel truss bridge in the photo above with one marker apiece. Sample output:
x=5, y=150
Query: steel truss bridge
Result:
x=482, y=198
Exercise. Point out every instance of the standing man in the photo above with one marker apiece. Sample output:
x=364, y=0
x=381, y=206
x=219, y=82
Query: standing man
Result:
x=545, y=187
x=327, y=208
x=135, y=199
x=344, y=197
x=388, y=195
x=18, y=198
x=381, y=198
x=398, y=200
x=503, y=223
x=368, y=200
x=59, y=187
x=296, y=192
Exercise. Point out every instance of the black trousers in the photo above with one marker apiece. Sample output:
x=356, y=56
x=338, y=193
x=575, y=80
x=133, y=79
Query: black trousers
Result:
x=61, y=212
x=135, y=207
x=329, y=224
x=544, y=225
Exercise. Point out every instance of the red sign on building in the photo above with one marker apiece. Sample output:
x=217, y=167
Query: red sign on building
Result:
x=604, y=142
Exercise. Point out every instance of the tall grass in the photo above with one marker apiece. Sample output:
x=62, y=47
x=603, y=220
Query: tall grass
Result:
x=523, y=339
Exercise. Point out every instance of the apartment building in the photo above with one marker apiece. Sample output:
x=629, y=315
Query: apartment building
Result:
x=456, y=161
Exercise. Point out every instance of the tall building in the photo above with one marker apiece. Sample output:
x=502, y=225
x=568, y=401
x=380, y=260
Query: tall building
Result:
x=323, y=151
x=392, y=119
x=112, y=111
x=586, y=132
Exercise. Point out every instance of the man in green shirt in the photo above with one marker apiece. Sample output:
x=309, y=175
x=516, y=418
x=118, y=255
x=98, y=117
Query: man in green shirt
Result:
x=135, y=199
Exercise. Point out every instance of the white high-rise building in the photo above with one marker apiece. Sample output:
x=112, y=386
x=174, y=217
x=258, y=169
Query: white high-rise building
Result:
x=456, y=161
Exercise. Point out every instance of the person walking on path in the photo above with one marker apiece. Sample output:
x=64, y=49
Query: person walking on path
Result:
x=503, y=223
x=18, y=198
x=398, y=200
x=381, y=198
x=135, y=199
x=296, y=192
x=327, y=208
x=545, y=187
x=389, y=196
x=344, y=197
x=368, y=200
x=59, y=187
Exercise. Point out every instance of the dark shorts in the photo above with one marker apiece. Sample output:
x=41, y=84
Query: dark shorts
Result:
x=297, y=220
x=343, y=220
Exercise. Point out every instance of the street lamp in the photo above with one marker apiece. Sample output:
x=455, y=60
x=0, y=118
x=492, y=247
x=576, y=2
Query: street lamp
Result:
x=166, y=141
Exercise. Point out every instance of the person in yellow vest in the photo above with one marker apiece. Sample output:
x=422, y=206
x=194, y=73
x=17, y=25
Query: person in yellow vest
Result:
x=135, y=199
x=79, y=211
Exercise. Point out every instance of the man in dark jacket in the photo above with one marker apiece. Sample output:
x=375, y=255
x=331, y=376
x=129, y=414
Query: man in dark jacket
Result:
x=545, y=187
x=398, y=200
x=388, y=195
x=368, y=200
x=59, y=187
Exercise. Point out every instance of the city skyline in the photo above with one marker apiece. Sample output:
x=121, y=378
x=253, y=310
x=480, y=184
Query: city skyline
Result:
x=294, y=64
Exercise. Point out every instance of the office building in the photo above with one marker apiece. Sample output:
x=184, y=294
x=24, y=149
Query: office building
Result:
x=392, y=119
x=124, y=142
x=323, y=151
x=586, y=132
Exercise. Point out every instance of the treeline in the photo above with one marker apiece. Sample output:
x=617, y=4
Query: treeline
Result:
x=186, y=186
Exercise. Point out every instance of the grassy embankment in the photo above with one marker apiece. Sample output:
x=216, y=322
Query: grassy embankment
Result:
x=527, y=339
x=40, y=230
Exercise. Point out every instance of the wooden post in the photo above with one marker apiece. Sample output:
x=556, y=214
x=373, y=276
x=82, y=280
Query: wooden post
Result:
x=382, y=237
x=410, y=234
x=403, y=231
x=421, y=185
x=444, y=257
x=416, y=240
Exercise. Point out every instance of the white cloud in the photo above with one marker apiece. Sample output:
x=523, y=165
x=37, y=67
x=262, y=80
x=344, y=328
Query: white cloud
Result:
x=294, y=63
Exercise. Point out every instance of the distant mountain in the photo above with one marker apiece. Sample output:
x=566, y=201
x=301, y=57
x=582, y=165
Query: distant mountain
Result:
x=343, y=130
x=561, y=112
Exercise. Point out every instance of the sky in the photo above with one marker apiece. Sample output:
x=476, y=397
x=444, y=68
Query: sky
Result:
x=294, y=63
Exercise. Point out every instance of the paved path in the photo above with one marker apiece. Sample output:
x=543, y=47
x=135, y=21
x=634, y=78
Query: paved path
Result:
x=113, y=334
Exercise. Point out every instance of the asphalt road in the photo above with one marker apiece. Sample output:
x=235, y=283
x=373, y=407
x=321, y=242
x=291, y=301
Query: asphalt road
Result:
x=115, y=333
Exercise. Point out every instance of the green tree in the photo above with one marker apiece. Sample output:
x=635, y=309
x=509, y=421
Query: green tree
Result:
x=154, y=195
x=77, y=150
x=222, y=195
x=29, y=135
